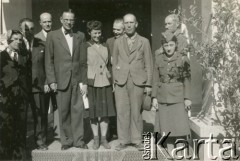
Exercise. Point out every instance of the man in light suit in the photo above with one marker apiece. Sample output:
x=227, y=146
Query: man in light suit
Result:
x=46, y=24
x=132, y=74
x=66, y=68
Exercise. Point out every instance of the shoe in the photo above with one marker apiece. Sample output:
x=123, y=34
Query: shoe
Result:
x=120, y=147
x=65, y=147
x=104, y=143
x=139, y=146
x=96, y=143
x=82, y=146
x=42, y=147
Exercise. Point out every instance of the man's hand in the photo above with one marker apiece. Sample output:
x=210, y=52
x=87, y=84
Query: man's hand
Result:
x=113, y=86
x=155, y=103
x=148, y=90
x=83, y=88
x=188, y=104
x=53, y=87
x=46, y=89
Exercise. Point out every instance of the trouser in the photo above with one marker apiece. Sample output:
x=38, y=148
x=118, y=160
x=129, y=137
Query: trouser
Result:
x=70, y=106
x=40, y=103
x=129, y=100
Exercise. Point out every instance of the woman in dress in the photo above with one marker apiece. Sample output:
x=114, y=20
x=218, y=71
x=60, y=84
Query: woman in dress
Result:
x=100, y=94
x=171, y=90
x=14, y=96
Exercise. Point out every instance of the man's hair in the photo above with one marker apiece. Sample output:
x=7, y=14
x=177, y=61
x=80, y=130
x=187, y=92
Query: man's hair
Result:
x=68, y=11
x=25, y=20
x=43, y=14
x=118, y=20
x=94, y=25
x=174, y=17
x=130, y=14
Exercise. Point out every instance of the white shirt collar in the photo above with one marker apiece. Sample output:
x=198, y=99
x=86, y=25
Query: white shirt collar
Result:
x=44, y=33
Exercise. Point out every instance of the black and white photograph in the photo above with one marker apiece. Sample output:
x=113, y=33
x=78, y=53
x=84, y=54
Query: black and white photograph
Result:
x=119, y=80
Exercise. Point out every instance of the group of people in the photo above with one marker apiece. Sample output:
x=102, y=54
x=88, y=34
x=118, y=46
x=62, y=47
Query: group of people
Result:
x=114, y=76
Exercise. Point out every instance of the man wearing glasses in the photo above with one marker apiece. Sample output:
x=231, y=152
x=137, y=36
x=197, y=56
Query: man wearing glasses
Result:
x=66, y=68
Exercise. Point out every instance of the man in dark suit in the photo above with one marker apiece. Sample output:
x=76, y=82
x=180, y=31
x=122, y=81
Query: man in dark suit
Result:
x=46, y=24
x=39, y=99
x=132, y=74
x=66, y=68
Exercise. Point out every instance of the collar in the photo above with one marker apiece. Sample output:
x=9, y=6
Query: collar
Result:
x=44, y=33
x=133, y=37
x=64, y=31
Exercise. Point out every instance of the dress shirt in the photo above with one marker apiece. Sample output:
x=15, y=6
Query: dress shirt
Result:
x=29, y=45
x=69, y=40
x=131, y=40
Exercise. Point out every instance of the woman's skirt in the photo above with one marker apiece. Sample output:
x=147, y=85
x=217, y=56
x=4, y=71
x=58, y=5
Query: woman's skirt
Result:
x=172, y=118
x=101, y=102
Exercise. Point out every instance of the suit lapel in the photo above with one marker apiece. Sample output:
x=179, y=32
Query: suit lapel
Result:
x=75, y=41
x=63, y=41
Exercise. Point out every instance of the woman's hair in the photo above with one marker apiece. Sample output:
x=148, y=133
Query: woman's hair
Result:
x=94, y=25
x=10, y=33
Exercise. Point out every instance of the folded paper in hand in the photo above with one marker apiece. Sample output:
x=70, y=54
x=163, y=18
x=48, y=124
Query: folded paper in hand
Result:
x=85, y=99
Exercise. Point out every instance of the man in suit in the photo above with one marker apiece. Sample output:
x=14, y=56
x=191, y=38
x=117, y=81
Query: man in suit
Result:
x=66, y=68
x=118, y=30
x=39, y=98
x=172, y=25
x=132, y=74
x=46, y=24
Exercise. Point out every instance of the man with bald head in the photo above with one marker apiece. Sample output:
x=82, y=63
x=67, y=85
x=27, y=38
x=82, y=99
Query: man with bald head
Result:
x=46, y=24
x=132, y=75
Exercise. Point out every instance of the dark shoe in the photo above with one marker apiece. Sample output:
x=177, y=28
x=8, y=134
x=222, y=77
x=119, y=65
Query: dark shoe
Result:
x=120, y=147
x=96, y=143
x=42, y=147
x=139, y=146
x=104, y=143
x=82, y=146
x=65, y=147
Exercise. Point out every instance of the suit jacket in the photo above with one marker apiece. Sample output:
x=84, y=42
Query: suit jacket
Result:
x=171, y=78
x=40, y=36
x=110, y=44
x=137, y=62
x=60, y=66
x=98, y=64
x=38, y=69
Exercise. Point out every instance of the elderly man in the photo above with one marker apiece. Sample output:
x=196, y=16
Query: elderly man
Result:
x=66, y=69
x=172, y=25
x=46, y=24
x=118, y=30
x=132, y=75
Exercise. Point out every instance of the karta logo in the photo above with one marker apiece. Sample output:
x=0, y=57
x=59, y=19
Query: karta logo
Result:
x=152, y=146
